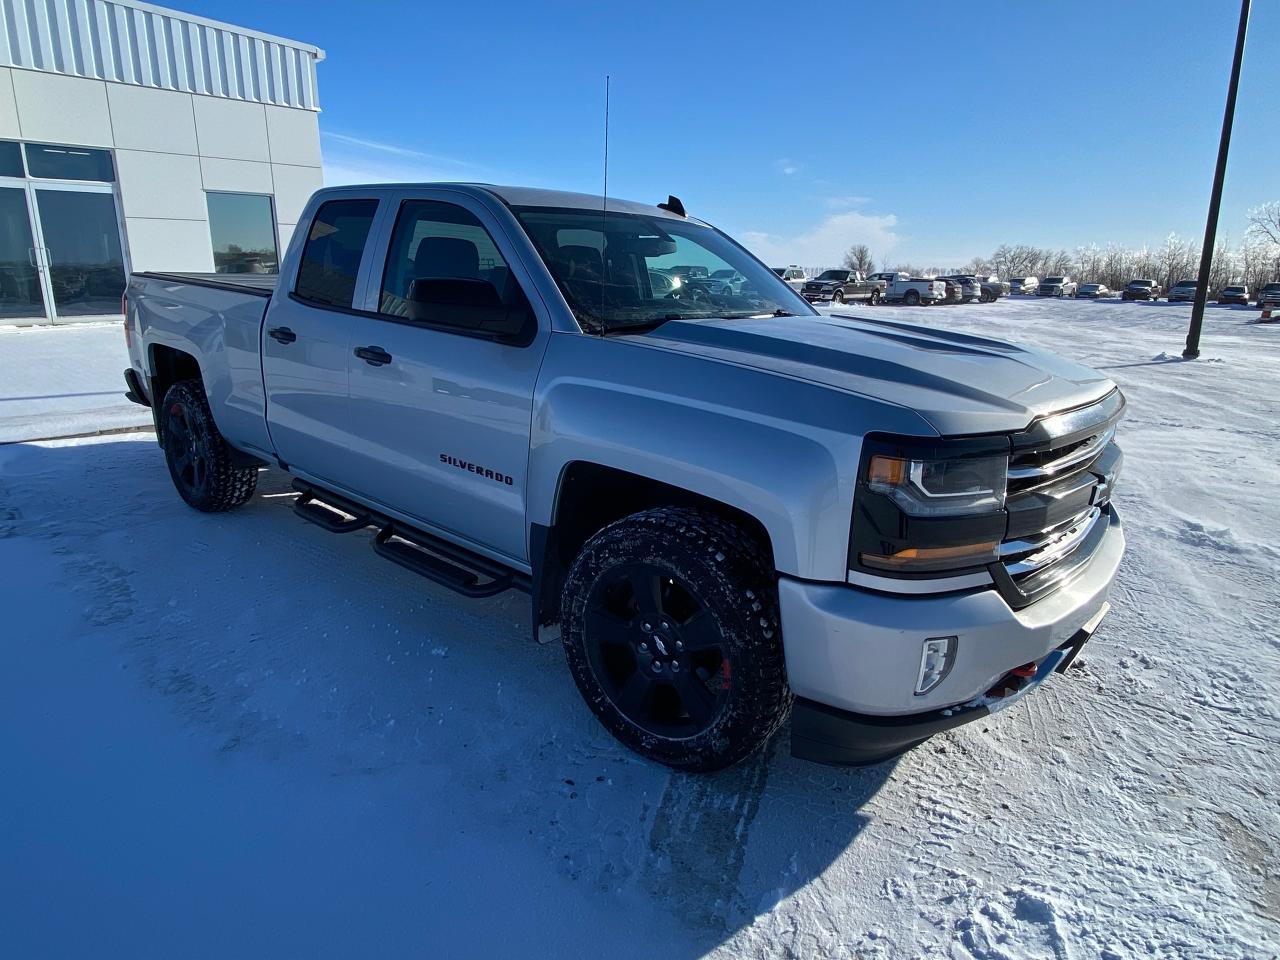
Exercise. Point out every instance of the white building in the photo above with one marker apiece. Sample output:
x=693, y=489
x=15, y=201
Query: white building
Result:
x=133, y=137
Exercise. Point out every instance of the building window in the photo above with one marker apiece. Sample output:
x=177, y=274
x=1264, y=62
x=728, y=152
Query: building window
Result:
x=243, y=229
x=11, y=159
x=51, y=162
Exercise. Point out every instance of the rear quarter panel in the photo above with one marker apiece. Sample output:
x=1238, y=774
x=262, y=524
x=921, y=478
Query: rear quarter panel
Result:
x=222, y=330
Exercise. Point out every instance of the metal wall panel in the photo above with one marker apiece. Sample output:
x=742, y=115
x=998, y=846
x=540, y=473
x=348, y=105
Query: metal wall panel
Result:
x=138, y=43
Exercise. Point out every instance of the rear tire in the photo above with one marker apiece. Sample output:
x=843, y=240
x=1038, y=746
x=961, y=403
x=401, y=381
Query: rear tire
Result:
x=984, y=297
x=705, y=685
x=911, y=298
x=201, y=464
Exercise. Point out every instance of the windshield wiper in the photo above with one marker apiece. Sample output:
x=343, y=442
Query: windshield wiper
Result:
x=783, y=313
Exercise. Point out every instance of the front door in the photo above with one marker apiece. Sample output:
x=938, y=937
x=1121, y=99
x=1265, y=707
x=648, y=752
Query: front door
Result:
x=82, y=260
x=21, y=280
x=442, y=415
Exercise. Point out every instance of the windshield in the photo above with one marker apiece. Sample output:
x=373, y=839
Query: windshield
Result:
x=1141, y=283
x=1186, y=283
x=841, y=275
x=1054, y=279
x=1090, y=286
x=621, y=270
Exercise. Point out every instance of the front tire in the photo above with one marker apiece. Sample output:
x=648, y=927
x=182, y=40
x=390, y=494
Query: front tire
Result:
x=875, y=297
x=837, y=297
x=670, y=625
x=201, y=464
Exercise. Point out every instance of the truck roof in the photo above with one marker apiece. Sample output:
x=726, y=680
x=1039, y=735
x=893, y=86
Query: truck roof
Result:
x=527, y=197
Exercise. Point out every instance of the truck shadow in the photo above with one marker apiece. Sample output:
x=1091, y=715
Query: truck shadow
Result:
x=280, y=644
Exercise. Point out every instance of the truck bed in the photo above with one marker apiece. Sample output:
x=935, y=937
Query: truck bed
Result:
x=257, y=284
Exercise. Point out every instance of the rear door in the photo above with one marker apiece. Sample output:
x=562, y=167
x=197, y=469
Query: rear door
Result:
x=441, y=414
x=306, y=342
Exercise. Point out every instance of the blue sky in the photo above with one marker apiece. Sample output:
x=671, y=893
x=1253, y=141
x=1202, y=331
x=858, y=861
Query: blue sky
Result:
x=930, y=131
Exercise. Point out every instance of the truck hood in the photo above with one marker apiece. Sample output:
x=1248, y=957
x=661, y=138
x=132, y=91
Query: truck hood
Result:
x=960, y=384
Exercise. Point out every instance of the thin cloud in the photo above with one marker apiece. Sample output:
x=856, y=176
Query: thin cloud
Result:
x=842, y=203
x=353, y=159
x=786, y=166
x=824, y=243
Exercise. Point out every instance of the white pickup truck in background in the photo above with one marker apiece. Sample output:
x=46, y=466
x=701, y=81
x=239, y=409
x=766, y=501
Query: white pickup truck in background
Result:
x=904, y=288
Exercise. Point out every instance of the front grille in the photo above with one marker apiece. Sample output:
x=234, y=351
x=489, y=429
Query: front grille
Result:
x=1061, y=474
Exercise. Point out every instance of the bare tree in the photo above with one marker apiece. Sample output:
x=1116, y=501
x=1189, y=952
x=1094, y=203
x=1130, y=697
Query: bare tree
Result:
x=858, y=257
x=1264, y=221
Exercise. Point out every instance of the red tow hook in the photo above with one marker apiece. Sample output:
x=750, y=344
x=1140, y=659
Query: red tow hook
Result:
x=1026, y=671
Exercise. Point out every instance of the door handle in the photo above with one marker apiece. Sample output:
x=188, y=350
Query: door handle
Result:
x=282, y=334
x=374, y=356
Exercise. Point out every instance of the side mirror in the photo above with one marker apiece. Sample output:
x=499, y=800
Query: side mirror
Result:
x=473, y=305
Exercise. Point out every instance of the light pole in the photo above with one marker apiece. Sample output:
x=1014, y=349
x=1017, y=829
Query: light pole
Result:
x=1215, y=200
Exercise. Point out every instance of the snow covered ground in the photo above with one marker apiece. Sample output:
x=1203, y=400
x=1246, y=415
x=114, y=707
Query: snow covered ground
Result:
x=240, y=736
x=59, y=381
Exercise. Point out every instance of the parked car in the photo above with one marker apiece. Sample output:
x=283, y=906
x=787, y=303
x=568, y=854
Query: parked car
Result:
x=793, y=276
x=1057, y=287
x=1184, y=291
x=954, y=290
x=970, y=288
x=1093, y=291
x=726, y=282
x=904, y=288
x=1022, y=285
x=1269, y=294
x=1141, y=290
x=838, y=286
x=993, y=288
x=937, y=540
x=1234, y=293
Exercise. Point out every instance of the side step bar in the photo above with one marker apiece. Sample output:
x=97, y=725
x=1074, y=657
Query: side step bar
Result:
x=308, y=508
x=425, y=554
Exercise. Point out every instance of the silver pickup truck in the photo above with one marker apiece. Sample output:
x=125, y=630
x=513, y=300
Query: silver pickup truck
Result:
x=732, y=508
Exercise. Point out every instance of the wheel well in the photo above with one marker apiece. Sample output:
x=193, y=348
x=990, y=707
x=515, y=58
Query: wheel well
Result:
x=168, y=366
x=590, y=498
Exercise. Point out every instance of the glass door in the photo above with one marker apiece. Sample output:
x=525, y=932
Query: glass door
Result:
x=79, y=241
x=21, y=288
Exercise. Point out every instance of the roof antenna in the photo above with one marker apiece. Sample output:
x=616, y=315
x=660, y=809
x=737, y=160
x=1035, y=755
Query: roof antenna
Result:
x=604, y=202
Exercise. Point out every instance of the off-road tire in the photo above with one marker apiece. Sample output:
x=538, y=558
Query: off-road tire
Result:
x=911, y=298
x=201, y=464
x=730, y=575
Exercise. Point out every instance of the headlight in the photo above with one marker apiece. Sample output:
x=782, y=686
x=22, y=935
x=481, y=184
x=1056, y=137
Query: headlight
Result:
x=940, y=488
x=925, y=508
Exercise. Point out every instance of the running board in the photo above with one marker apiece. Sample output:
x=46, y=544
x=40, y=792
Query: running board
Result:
x=443, y=563
x=425, y=554
x=323, y=515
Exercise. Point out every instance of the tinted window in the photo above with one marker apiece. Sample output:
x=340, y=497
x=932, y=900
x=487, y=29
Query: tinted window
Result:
x=243, y=230
x=10, y=159
x=435, y=241
x=331, y=257
x=69, y=163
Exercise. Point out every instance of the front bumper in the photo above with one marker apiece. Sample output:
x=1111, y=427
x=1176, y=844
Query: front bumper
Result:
x=857, y=652
x=818, y=296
